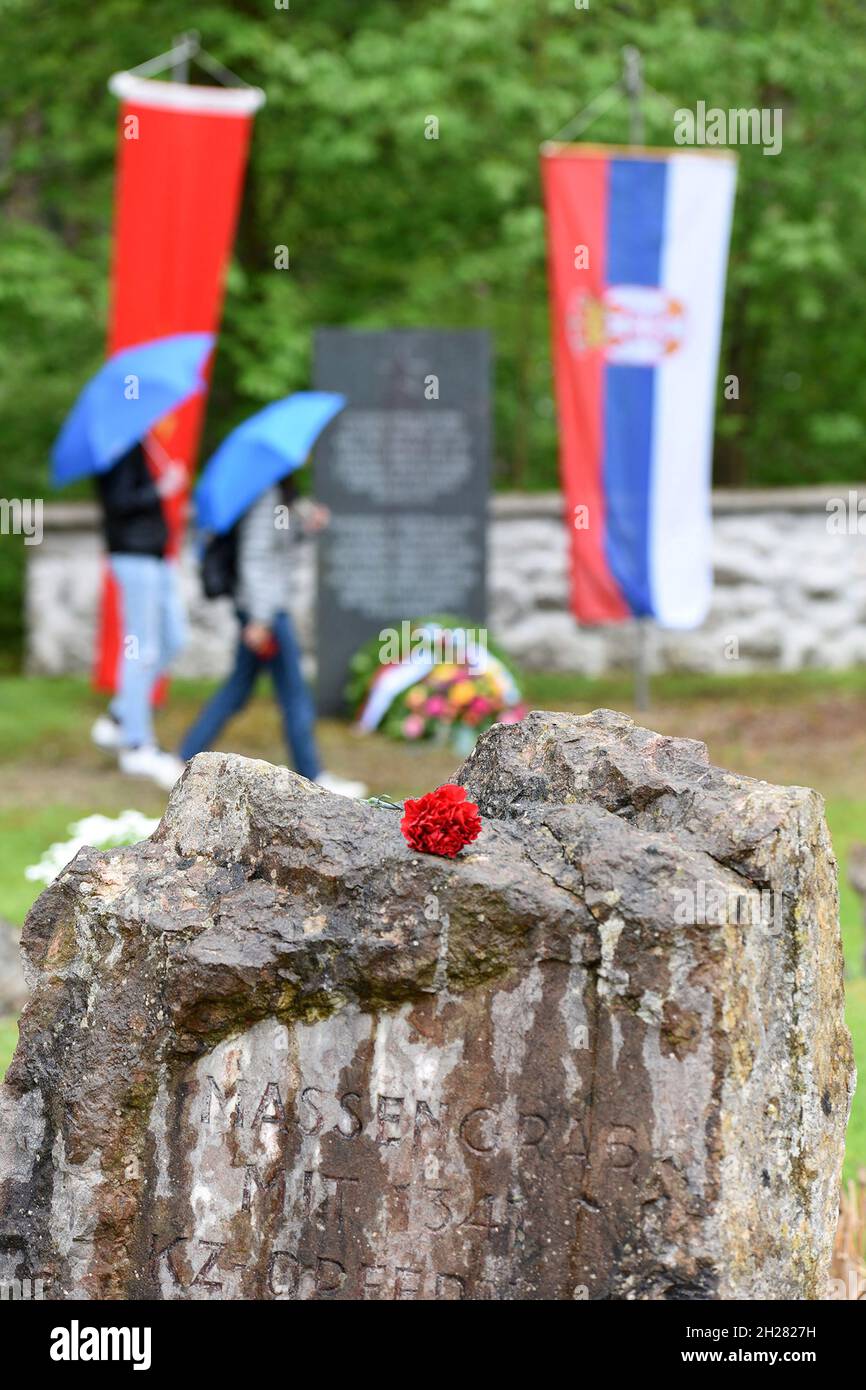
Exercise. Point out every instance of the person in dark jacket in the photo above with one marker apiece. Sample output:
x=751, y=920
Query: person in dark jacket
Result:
x=136, y=537
x=266, y=637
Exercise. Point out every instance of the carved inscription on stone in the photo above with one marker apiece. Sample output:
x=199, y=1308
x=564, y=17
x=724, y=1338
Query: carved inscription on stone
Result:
x=382, y=1157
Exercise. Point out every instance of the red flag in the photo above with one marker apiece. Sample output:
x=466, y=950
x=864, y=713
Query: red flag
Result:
x=182, y=152
x=576, y=197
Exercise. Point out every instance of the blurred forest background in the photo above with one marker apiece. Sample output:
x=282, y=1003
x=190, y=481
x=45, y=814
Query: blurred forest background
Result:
x=386, y=228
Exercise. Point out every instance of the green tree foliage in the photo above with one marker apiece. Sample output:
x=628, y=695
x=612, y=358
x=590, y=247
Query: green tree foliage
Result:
x=386, y=227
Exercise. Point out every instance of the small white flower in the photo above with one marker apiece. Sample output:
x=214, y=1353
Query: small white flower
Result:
x=100, y=832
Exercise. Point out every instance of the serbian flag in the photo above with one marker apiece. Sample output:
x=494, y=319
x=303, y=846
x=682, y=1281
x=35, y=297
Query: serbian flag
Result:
x=638, y=247
x=181, y=157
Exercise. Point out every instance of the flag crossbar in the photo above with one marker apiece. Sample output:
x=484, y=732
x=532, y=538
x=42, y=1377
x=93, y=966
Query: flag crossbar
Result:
x=186, y=48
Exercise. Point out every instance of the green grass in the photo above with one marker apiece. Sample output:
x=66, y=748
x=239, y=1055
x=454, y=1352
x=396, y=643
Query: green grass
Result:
x=550, y=688
x=24, y=837
x=855, y=1011
x=42, y=716
x=45, y=717
x=40, y=712
x=8, y=1039
x=847, y=823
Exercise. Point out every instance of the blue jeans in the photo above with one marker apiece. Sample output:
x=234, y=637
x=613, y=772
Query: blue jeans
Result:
x=152, y=624
x=291, y=691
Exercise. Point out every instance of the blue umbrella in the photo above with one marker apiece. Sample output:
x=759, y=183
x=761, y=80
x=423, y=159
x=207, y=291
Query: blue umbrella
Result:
x=261, y=451
x=127, y=396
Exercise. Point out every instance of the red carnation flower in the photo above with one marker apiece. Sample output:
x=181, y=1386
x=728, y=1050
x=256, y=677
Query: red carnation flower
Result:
x=441, y=822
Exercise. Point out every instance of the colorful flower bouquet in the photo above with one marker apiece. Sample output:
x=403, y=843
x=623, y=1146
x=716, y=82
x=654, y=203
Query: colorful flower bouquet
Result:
x=435, y=681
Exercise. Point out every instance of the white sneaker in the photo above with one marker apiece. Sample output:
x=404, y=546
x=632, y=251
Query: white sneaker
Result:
x=341, y=786
x=150, y=761
x=106, y=733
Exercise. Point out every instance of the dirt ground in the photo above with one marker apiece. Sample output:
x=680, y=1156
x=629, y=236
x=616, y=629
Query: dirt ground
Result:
x=818, y=741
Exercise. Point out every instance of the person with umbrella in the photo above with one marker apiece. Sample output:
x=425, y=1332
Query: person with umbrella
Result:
x=246, y=494
x=103, y=436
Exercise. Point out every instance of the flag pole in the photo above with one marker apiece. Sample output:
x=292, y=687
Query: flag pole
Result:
x=185, y=47
x=632, y=84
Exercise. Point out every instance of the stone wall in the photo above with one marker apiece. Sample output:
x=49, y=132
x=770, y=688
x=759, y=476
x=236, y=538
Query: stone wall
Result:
x=789, y=593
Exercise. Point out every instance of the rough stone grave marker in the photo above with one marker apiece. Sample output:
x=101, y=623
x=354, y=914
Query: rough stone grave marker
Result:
x=405, y=472
x=272, y=1053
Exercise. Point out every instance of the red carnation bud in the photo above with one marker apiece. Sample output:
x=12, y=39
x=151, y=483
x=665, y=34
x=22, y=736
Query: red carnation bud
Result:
x=441, y=822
